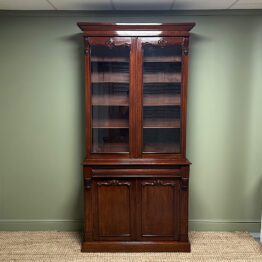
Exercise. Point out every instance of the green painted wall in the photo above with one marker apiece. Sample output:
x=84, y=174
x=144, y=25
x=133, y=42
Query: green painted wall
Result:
x=41, y=118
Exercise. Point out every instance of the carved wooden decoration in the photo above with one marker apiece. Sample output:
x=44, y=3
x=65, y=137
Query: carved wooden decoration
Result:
x=162, y=42
x=114, y=183
x=184, y=183
x=110, y=43
x=87, y=45
x=159, y=182
x=87, y=183
x=185, y=45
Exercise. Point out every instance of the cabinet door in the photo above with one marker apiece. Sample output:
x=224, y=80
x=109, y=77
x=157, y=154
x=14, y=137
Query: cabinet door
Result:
x=158, y=209
x=163, y=96
x=108, y=95
x=114, y=209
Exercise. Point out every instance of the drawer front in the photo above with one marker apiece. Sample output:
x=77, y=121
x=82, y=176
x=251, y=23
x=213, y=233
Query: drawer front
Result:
x=135, y=172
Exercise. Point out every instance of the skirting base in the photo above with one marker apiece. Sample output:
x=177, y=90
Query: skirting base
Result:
x=135, y=246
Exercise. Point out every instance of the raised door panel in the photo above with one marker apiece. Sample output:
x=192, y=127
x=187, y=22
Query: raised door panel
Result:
x=158, y=212
x=114, y=204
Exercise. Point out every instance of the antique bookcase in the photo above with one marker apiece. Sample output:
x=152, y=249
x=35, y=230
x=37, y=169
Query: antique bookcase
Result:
x=136, y=173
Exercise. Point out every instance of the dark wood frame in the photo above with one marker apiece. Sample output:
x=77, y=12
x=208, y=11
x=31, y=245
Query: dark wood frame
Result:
x=135, y=169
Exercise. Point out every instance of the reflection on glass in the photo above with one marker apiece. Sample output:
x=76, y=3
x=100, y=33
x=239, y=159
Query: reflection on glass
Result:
x=161, y=99
x=110, y=99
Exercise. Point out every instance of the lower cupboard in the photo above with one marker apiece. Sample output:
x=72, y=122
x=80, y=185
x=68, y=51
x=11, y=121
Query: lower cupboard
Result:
x=133, y=211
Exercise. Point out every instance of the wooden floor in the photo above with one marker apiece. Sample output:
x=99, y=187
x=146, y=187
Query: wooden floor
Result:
x=65, y=246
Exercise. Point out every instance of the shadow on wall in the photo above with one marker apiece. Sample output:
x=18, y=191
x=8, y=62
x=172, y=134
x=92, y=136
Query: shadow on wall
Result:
x=194, y=125
x=78, y=51
x=253, y=193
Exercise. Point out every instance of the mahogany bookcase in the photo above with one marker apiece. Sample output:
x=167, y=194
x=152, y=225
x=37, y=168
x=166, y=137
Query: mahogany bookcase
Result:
x=136, y=174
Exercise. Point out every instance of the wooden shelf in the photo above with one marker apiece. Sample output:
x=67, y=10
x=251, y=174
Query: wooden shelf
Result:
x=124, y=77
x=166, y=59
x=161, y=100
x=110, y=100
x=110, y=77
x=112, y=59
x=120, y=147
x=110, y=123
x=161, y=77
x=161, y=148
x=146, y=59
x=148, y=123
x=148, y=100
x=161, y=123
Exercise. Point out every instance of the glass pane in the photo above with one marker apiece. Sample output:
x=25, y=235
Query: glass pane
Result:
x=161, y=98
x=110, y=99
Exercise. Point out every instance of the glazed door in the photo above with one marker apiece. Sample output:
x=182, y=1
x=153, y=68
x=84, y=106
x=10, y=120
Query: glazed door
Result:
x=109, y=86
x=114, y=209
x=162, y=62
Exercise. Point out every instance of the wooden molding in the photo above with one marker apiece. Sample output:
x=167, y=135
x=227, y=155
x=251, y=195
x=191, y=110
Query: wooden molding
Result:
x=158, y=182
x=85, y=26
x=114, y=182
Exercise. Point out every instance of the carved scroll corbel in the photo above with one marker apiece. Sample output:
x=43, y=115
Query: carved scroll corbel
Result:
x=87, y=46
x=87, y=183
x=184, y=183
x=185, y=46
x=110, y=43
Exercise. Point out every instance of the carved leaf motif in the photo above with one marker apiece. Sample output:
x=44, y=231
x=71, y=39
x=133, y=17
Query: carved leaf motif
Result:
x=159, y=182
x=162, y=42
x=110, y=43
x=114, y=183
